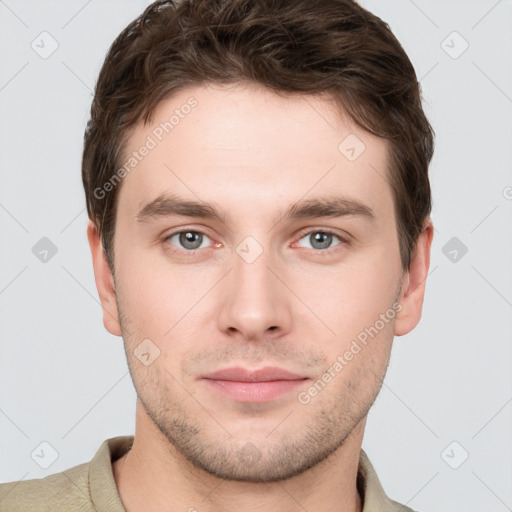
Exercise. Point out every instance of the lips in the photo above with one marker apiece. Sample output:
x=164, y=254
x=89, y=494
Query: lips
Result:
x=239, y=374
x=256, y=386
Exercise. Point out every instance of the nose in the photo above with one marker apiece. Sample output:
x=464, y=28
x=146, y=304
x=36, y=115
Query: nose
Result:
x=255, y=304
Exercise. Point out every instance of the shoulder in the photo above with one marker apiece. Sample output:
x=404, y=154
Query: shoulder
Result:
x=87, y=487
x=66, y=491
x=399, y=507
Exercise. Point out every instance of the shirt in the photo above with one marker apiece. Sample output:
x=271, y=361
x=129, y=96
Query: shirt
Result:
x=90, y=487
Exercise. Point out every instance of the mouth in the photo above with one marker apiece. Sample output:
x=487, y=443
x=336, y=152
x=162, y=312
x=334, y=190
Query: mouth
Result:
x=255, y=386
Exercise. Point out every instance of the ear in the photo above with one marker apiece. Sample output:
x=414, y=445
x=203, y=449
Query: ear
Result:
x=104, y=281
x=413, y=284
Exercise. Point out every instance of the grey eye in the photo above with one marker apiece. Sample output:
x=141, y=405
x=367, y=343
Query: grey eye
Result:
x=320, y=239
x=189, y=240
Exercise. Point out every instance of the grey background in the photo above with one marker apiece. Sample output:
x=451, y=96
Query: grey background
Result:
x=64, y=379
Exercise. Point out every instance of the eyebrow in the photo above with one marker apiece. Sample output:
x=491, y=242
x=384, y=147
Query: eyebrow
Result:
x=327, y=206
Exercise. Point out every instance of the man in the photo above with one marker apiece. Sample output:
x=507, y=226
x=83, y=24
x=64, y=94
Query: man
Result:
x=256, y=178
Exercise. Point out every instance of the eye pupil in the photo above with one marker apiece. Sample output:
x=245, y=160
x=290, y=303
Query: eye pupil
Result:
x=191, y=239
x=324, y=240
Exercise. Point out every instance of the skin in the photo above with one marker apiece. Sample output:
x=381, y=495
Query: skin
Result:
x=252, y=153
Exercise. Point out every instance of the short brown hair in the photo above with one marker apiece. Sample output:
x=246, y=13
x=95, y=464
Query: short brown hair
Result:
x=333, y=46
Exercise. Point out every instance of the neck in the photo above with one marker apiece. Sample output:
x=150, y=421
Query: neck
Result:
x=153, y=476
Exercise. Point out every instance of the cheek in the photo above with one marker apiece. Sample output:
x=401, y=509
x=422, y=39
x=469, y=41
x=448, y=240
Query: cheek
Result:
x=352, y=296
x=156, y=298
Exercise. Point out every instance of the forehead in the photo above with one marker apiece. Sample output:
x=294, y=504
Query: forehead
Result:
x=244, y=145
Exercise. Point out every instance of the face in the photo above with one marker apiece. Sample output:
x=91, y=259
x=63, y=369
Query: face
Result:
x=289, y=258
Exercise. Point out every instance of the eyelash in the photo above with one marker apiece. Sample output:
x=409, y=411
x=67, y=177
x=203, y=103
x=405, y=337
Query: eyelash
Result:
x=322, y=252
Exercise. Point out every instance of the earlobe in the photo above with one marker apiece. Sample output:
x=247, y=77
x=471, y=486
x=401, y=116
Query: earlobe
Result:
x=104, y=281
x=414, y=282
